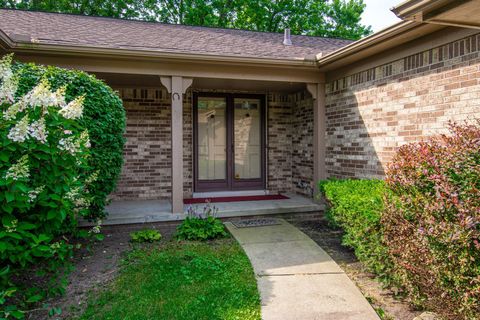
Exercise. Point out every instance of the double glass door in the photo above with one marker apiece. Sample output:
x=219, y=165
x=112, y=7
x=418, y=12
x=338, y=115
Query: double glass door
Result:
x=229, y=142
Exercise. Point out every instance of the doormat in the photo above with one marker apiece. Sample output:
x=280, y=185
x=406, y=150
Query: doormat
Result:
x=234, y=199
x=249, y=223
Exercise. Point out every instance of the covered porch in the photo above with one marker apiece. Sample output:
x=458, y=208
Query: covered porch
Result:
x=144, y=211
x=163, y=161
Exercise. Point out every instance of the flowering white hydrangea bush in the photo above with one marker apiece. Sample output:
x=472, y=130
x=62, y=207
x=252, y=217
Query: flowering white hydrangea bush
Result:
x=44, y=180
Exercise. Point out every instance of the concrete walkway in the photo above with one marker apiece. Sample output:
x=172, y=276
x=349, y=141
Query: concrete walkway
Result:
x=297, y=279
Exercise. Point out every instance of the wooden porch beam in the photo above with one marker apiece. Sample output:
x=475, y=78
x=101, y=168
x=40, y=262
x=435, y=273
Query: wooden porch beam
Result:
x=206, y=69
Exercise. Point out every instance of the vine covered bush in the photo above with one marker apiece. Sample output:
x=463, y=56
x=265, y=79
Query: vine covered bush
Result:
x=48, y=176
x=103, y=115
x=431, y=221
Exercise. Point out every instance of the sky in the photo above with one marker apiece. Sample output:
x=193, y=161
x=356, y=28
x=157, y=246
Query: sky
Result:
x=378, y=14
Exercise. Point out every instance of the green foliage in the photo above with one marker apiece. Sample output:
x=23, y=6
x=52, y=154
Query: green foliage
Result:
x=47, y=178
x=181, y=280
x=424, y=237
x=432, y=221
x=103, y=117
x=147, y=235
x=201, y=226
x=331, y=18
x=356, y=206
x=105, y=8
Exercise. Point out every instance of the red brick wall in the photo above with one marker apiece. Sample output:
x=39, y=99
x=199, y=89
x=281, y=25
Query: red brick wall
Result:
x=373, y=112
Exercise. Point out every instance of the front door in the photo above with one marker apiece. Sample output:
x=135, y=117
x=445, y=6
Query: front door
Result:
x=229, y=142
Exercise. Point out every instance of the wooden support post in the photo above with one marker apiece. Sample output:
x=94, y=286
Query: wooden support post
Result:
x=177, y=86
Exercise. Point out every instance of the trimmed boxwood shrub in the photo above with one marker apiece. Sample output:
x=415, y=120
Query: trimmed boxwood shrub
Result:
x=431, y=221
x=356, y=206
x=103, y=116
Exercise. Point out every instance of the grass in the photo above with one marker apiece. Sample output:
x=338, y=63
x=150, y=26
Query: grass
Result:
x=181, y=280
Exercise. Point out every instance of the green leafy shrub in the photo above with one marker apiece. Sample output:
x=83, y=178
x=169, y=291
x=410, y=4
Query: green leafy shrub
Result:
x=103, y=116
x=147, y=235
x=432, y=221
x=356, y=206
x=201, y=226
x=47, y=178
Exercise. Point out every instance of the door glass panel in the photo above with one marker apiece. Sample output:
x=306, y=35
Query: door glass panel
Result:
x=212, y=138
x=247, y=139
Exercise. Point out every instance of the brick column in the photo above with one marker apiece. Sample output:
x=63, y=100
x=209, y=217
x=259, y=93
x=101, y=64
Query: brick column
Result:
x=319, y=128
x=177, y=86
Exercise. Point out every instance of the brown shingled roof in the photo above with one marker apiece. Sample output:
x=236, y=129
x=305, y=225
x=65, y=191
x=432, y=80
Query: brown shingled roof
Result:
x=109, y=33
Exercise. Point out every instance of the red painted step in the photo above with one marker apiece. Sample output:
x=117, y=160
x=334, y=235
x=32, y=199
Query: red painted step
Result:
x=234, y=199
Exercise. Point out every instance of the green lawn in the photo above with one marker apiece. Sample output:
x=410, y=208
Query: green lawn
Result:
x=186, y=280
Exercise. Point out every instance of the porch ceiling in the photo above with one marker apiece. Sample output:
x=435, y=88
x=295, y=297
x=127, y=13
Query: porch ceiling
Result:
x=148, y=81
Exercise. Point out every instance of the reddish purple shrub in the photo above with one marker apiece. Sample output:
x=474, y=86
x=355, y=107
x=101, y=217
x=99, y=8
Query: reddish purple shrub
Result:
x=432, y=221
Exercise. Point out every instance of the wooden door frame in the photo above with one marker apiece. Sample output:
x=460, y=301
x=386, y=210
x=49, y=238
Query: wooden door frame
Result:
x=230, y=184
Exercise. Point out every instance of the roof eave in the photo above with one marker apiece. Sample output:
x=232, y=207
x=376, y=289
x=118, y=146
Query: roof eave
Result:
x=5, y=41
x=367, y=42
x=22, y=46
x=408, y=9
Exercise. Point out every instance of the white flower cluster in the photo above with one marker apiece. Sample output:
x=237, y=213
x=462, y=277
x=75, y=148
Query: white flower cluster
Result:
x=33, y=194
x=19, y=170
x=12, y=227
x=55, y=246
x=74, y=109
x=97, y=227
x=9, y=81
x=23, y=130
x=12, y=111
x=75, y=196
x=19, y=132
x=72, y=194
x=42, y=96
x=92, y=178
x=38, y=131
x=74, y=144
x=69, y=144
x=38, y=96
x=6, y=66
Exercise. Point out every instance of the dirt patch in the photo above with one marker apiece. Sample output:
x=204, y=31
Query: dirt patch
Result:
x=383, y=300
x=95, y=267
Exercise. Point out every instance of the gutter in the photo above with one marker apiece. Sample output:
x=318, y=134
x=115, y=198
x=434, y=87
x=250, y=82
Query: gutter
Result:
x=367, y=42
x=5, y=41
x=23, y=45
x=408, y=8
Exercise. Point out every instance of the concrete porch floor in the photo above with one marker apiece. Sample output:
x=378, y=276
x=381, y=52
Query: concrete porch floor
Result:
x=142, y=211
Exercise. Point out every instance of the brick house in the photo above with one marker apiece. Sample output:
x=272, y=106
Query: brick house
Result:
x=230, y=112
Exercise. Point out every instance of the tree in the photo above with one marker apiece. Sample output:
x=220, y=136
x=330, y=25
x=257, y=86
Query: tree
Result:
x=104, y=8
x=331, y=18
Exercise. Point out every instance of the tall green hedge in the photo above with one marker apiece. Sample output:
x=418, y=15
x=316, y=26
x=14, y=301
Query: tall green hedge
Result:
x=103, y=116
x=356, y=206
